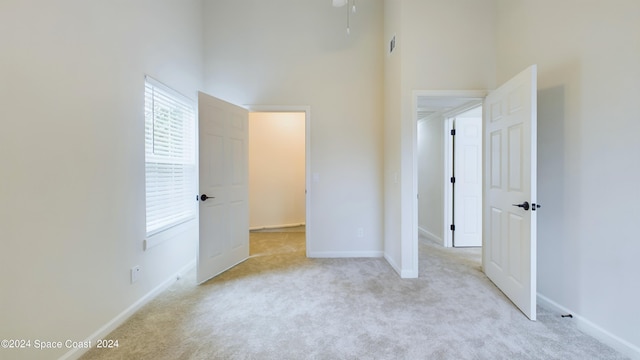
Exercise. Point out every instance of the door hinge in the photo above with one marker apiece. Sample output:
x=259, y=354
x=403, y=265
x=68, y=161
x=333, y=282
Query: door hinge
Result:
x=453, y=179
x=453, y=131
x=453, y=227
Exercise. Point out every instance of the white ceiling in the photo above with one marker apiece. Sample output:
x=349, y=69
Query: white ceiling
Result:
x=429, y=105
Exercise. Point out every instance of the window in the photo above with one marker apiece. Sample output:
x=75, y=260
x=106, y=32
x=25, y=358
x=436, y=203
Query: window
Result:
x=170, y=168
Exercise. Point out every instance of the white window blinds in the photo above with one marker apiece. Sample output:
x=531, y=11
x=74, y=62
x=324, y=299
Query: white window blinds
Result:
x=169, y=157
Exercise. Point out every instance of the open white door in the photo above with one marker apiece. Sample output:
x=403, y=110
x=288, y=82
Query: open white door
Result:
x=224, y=206
x=509, y=254
x=467, y=198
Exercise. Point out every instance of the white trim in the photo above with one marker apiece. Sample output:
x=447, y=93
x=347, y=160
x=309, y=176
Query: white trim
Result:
x=169, y=234
x=429, y=235
x=393, y=264
x=345, y=254
x=409, y=273
x=307, y=161
x=127, y=313
x=404, y=273
x=281, y=226
x=592, y=329
x=412, y=271
x=409, y=247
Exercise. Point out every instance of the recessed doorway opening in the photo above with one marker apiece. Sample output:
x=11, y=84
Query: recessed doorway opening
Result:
x=449, y=167
x=278, y=172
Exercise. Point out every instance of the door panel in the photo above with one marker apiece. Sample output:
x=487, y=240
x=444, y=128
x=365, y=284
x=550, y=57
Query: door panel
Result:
x=213, y=167
x=237, y=155
x=510, y=177
x=495, y=161
x=515, y=227
x=224, y=216
x=212, y=249
x=515, y=158
x=238, y=227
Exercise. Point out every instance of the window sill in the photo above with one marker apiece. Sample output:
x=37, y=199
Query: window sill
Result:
x=168, y=234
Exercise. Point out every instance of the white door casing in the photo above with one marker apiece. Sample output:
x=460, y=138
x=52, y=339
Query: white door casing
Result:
x=223, y=160
x=468, y=182
x=509, y=254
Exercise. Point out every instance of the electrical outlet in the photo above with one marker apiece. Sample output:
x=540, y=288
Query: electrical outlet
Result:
x=135, y=273
x=360, y=232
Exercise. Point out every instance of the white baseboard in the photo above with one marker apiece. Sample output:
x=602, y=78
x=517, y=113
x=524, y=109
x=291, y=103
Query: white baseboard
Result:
x=126, y=314
x=393, y=264
x=266, y=227
x=345, y=254
x=404, y=273
x=409, y=274
x=592, y=329
x=429, y=235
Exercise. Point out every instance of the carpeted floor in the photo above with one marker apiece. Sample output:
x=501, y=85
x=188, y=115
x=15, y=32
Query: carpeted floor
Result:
x=280, y=305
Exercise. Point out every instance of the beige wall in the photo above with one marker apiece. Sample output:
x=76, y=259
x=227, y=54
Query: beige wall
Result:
x=431, y=177
x=276, y=169
x=587, y=54
x=290, y=52
x=392, y=127
x=72, y=208
x=448, y=45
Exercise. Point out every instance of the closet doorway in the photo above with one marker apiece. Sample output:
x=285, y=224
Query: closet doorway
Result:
x=278, y=168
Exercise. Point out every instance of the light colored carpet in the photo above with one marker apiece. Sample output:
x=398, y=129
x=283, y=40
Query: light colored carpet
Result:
x=280, y=305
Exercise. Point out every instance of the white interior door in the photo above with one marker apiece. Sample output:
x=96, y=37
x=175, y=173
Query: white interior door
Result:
x=509, y=255
x=224, y=209
x=467, y=198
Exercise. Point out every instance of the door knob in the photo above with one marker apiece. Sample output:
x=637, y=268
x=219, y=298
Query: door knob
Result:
x=524, y=205
x=204, y=197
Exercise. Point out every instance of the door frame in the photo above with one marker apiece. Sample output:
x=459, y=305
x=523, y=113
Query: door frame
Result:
x=413, y=158
x=307, y=160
